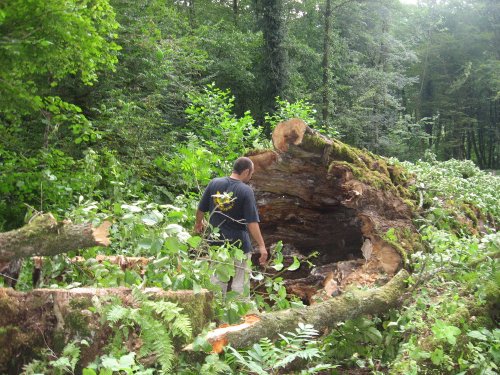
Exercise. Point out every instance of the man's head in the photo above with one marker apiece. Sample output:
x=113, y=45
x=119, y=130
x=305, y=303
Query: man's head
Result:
x=243, y=167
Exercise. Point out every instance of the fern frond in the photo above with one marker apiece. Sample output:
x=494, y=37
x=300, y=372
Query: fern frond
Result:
x=214, y=366
x=139, y=296
x=164, y=348
x=182, y=326
x=167, y=310
x=117, y=313
x=246, y=362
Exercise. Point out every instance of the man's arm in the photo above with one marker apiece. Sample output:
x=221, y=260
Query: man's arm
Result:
x=254, y=230
x=199, y=226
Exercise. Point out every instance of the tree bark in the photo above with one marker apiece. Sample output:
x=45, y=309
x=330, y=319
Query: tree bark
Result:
x=323, y=316
x=317, y=194
x=45, y=236
x=50, y=318
x=326, y=62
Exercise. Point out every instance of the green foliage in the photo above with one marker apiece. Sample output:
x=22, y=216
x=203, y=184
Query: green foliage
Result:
x=51, y=180
x=214, y=366
x=220, y=138
x=299, y=348
x=458, y=79
x=363, y=342
x=159, y=322
x=47, y=41
x=108, y=365
x=65, y=363
x=442, y=318
x=210, y=116
x=92, y=131
x=455, y=182
x=193, y=165
x=286, y=110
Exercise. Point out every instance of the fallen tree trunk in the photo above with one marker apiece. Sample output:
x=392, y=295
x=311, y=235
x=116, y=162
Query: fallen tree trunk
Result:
x=50, y=318
x=323, y=316
x=45, y=236
x=317, y=194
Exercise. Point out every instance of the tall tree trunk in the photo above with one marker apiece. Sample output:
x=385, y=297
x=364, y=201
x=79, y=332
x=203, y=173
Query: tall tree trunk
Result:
x=275, y=55
x=476, y=150
x=326, y=62
x=468, y=153
x=235, y=12
x=191, y=11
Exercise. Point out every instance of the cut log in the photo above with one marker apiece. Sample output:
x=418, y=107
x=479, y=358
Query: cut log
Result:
x=45, y=236
x=318, y=194
x=323, y=316
x=49, y=318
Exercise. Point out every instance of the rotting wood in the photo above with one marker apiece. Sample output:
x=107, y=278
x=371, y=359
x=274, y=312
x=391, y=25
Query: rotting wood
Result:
x=49, y=318
x=45, y=236
x=323, y=316
x=318, y=194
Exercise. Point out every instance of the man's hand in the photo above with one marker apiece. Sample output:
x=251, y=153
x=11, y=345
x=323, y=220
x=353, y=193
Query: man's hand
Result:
x=200, y=222
x=263, y=255
x=199, y=227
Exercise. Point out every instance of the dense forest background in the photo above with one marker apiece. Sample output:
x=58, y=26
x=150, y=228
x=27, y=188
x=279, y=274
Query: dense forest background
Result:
x=125, y=109
x=137, y=82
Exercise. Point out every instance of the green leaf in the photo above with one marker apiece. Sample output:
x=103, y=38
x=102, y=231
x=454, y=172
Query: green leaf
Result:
x=131, y=208
x=194, y=241
x=295, y=265
x=172, y=244
x=88, y=371
x=196, y=288
x=277, y=267
x=374, y=335
x=445, y=332
x=127, y=361
x=477, y=335
x=201, y=344
x=437, y=356
x=257, y=277
x=224, y=272
x=110, y=363
x=149, y=220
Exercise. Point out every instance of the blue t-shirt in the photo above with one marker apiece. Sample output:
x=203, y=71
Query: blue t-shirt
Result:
x=232, y=206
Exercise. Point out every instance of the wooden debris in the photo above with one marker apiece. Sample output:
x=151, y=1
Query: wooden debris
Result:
x=323, y=315
x=45, y=236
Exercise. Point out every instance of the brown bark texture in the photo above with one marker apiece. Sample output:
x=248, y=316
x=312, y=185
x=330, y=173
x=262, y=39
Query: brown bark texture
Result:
x=318, y=194
x=50, y=318
x=45, y=236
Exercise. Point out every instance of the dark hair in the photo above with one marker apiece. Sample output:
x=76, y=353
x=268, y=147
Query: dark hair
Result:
x=241, y=164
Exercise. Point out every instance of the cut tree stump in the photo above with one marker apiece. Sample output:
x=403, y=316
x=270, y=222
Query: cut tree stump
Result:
x=50, y=318
x=45, y=236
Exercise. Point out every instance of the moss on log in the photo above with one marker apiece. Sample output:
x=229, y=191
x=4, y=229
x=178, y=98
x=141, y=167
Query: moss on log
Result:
x=50, y=318
x=319, y=194
x=45, y=236
x=323, y=316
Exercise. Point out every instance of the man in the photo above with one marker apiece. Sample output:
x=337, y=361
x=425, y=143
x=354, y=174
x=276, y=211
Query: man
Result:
x=232, y=207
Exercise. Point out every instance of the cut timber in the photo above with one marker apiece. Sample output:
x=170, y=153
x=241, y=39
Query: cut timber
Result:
x=323, y=316
x=45, y=236
x=317, y=194
x=50, y=318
